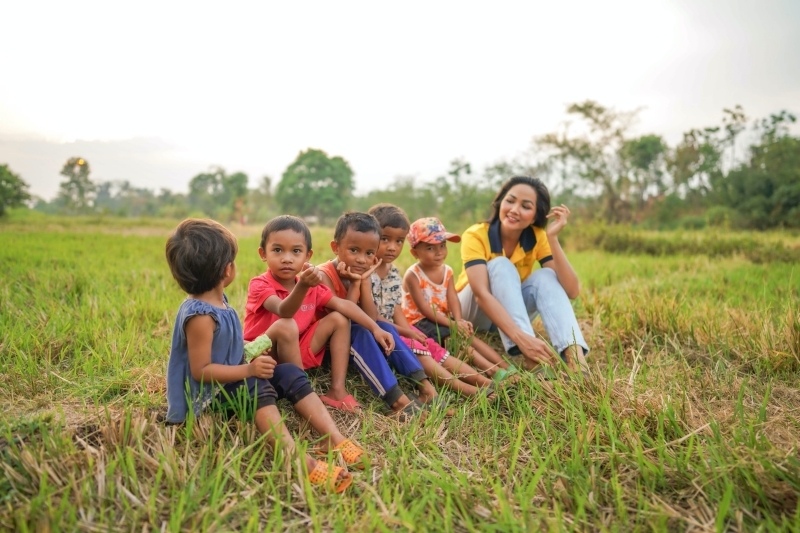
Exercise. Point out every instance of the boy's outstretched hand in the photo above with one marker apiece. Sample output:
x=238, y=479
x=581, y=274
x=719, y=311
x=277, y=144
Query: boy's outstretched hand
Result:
x=385, y=340
x=262, y=366
x=310, y=275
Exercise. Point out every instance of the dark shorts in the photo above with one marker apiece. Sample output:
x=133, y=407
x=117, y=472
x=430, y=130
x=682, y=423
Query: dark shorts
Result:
x=432, y=330
x=243, y=398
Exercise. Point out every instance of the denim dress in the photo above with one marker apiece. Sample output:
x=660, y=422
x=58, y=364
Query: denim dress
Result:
x=227, y=348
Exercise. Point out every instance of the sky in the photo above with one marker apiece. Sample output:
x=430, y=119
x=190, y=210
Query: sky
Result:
x=156, y=92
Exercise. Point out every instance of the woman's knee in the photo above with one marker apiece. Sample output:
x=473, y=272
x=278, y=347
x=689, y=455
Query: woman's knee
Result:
x=501, y=265
x=544, y=277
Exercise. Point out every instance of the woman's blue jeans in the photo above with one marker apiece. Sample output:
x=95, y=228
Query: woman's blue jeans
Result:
x=540, y=293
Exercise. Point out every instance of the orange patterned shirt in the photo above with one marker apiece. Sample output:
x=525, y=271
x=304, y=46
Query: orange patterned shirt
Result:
x=435, y=294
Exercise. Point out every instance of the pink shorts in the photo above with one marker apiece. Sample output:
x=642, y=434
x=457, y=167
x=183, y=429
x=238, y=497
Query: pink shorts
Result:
x=310, y=359
x=430, y=347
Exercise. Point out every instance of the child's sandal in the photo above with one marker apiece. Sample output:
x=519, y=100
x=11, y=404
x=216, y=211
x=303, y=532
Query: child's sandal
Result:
x=327, y=475
x=353, y=454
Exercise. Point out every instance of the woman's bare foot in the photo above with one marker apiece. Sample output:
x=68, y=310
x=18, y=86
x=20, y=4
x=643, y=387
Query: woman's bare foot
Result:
x=576, y=359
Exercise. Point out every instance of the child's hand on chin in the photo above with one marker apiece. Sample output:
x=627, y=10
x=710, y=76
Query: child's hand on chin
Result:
x=372, y=269
x=262, y=366
x=345, y=272
x=310, y=275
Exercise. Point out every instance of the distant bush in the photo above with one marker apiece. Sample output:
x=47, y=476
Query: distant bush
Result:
x=693, y=222
x=720, y=216
x=625, y=240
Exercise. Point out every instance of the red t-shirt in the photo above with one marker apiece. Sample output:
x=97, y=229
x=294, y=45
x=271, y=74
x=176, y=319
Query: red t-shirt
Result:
x=257, y=319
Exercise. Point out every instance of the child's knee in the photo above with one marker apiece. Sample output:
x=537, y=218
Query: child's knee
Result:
x=284, y=329
x=338, y=320
x=262, y=391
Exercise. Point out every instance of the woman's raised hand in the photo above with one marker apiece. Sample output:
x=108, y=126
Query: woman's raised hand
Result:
x=559, y=216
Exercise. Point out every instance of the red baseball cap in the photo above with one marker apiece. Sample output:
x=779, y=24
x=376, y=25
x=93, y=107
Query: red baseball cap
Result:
x=431, y=230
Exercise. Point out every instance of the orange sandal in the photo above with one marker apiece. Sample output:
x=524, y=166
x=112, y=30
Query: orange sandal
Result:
x=324, y=474
x=352, y=453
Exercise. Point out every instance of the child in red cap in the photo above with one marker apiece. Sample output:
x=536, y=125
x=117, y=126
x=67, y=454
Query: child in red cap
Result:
x=430, y=301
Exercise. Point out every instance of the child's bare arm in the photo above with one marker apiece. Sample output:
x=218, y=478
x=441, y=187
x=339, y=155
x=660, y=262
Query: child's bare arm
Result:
x=404, y=328
x=366, y=301
x=412, y=286
x=357, y=315
x=327, y=282
x=454, y=305
x=199, y=336
x=309, y=277
x=354, y=292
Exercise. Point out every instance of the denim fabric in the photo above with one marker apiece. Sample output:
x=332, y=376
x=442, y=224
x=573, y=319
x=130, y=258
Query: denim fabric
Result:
x=540, y=293
x=227, y=348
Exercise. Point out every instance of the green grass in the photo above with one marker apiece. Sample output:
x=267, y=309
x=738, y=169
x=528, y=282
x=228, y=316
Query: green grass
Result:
x=690, y=421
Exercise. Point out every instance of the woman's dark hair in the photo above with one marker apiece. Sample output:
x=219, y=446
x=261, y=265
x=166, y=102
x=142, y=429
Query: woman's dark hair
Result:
x=356, y=221
x=285, y=222
x=390, y=216
x=198, y=252
x=542, y=198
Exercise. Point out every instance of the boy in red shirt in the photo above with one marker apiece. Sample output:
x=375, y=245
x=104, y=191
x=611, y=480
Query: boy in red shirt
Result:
x=291, y=295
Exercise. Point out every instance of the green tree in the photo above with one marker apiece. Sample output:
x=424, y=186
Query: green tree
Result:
x=77, y=192
x=765, y=192
x=316, y=185
x=462, y=199
x=215, y=192
x=645, y=177
x=593, y=158
x=13, y=190
x=261, y=201
x=417, y=200
x=696, y=163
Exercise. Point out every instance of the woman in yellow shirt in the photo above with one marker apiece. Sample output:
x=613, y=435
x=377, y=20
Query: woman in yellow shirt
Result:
x=498, y=286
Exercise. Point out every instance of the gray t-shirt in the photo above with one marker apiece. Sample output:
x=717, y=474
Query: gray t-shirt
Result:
x=227, y=348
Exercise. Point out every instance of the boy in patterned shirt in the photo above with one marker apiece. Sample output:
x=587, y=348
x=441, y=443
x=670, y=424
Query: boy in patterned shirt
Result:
x=385, y=305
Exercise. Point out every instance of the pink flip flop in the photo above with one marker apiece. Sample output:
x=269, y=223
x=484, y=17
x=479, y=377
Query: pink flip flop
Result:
x=347, y=404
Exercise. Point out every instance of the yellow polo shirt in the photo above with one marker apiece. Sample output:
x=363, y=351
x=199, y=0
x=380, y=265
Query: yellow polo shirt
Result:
x=481, y=243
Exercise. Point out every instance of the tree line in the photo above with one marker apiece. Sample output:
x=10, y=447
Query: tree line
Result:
x=739, y=173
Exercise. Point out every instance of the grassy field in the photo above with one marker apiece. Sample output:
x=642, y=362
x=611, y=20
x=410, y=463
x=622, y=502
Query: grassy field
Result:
x=689, y=422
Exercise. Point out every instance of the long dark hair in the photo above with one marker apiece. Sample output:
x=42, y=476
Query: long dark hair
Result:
x=542, y=198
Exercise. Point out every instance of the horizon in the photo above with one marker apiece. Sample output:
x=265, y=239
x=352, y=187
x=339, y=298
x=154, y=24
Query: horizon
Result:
x=394, y=91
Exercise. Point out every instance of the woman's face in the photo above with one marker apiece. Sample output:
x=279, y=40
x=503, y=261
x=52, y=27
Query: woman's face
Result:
x=518, y=207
